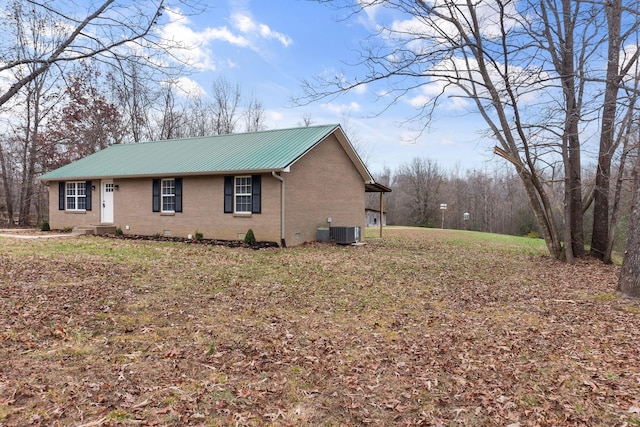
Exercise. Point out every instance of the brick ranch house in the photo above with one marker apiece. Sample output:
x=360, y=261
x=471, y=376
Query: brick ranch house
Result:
x=283, y=184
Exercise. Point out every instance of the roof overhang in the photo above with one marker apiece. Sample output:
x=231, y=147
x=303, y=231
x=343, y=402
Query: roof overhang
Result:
x=374, y=187
x=353, y=155
x=168, y=175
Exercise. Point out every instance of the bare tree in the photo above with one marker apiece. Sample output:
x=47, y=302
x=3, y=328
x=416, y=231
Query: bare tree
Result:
x=254, y=120
x=629, y=282
x=171, y=120
x=19, y=150
x=306, y=120
x=527, y=68
x=226, y=98
x=628, y=137
x=105, y=30
x=132, y=89
x=199, y=117
x=494, y=199
x=418, y=185
x=617, y=71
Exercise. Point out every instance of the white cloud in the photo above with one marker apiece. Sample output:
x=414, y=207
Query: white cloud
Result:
x=485, y=12
x=341, y=108
x=275, y=116
x=255, y=30
x=409, y=137
x=360, y=89
x=419, y=101
x=243, y=22
x=447, y=85
x=190, y=46
x=187, y=87
x=371, y=8
x=194, y=46
x=270, y=34
x=458, y=103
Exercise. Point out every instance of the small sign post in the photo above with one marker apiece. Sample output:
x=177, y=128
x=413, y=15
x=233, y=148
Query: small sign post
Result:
x=443, y=207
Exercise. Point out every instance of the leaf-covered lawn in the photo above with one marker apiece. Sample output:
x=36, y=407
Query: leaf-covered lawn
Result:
x=426, y=327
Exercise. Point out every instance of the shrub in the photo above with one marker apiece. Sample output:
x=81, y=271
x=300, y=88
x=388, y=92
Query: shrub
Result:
x=45, y=226
x=249, y=238
x=119, y=231
x=533, y=235
x=67, y=229
x=198, y=236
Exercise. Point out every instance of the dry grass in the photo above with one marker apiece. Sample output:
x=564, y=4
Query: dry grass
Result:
x=425, y=327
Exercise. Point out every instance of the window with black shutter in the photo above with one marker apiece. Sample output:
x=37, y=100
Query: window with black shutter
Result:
x=61, y=193
x=167, y=195
x=243, y=194
x=256, y=194
x=155, y=198
x=88, y=195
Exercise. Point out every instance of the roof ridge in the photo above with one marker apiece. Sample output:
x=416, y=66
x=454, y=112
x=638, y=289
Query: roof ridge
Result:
x=222, y=135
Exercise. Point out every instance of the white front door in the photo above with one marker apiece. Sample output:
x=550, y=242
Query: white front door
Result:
x=106, y=212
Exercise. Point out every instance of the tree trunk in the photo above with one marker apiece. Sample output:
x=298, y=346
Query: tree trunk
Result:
x=574, y=181
x=6, y=184
x=629, y=282
x=573, y=222
x=600, y=236
x=539, y=202
x=628, y=125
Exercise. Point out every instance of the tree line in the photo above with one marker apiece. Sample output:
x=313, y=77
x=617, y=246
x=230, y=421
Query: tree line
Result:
x=76, y=78
x=491, y=200
x=63, y=116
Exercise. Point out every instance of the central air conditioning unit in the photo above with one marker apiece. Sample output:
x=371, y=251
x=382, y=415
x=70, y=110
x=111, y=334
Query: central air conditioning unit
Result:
x=345, y=235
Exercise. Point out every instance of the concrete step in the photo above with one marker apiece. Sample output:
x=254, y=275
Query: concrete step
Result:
x=84, y=230
x=95, y=229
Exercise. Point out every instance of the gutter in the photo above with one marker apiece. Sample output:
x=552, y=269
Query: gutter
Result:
x=281, y=179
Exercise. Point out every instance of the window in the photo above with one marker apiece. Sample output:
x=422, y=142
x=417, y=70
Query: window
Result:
x=76, y=196
x=242, y=194
x=168, y=195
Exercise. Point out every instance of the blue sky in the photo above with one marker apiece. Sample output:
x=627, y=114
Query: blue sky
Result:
x=268, y=47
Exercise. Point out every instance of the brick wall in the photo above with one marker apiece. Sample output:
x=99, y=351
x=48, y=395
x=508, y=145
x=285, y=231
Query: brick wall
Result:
x=324, y=183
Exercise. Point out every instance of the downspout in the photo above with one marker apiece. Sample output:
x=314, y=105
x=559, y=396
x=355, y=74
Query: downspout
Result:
x=281, y=179
x=381, y=213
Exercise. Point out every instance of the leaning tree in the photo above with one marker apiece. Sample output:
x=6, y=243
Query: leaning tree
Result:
x=538, y=72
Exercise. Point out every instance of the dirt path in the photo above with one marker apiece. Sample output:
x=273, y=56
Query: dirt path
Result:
x=31, y=233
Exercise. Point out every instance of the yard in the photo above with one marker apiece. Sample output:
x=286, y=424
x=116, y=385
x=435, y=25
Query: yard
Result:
x=425, y=327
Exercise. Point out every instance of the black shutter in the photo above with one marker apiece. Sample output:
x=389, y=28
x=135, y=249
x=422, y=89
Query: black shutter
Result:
x=256, y=193
x=88, y=195
x=228, y=194
x=156, y=195
x=178, y=183
x=61, y=195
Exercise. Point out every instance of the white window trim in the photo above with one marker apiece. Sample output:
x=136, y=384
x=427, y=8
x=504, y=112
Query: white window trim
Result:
x=75, y=196
x=163, y=195
x=236, y=195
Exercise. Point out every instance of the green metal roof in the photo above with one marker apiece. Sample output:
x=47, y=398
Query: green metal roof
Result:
x=271, y=150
